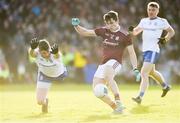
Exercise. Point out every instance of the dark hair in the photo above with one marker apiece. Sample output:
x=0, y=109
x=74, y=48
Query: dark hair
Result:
x=44, y=45
x=111, y=14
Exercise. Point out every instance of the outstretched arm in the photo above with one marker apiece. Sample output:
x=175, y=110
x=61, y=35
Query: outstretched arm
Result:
x=135, y=30
x=132, y=56
x=84, y=32
x=81, y=30
x=133, y=59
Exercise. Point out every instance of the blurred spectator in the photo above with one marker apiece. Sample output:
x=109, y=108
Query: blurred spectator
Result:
x=4, y=70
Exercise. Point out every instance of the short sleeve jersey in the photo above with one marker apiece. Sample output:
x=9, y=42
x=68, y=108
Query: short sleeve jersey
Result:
x=113, y=43
x=50, y=67
x=152, y=30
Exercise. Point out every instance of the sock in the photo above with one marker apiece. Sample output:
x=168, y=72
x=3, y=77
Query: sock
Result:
x=117, y=97
x=141, y=94
x=113, y=105
x=164, y=85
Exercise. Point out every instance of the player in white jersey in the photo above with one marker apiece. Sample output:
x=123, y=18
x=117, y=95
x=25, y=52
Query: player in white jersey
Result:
x=50, y=68
x=152, y=28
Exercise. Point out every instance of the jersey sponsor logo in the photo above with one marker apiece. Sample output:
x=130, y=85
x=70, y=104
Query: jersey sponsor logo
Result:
x=46, y=60
x=47, y=65
x=112, y=36
x=110, y=43
x=117, y=38
x=106, y=34
x=150, y=29
x=155, y=24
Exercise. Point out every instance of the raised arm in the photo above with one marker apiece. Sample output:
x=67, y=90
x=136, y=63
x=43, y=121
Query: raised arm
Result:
x=55, y=51
x=34, y=44
x=81, y=30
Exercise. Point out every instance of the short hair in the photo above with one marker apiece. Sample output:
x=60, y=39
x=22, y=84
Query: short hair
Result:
x=109, y=15
x=153, y=4
x=44, y=45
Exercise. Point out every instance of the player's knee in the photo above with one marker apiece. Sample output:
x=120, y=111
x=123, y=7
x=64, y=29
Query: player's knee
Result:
x=40, y=101
x=152, y=73
x=100, y=90
x=144, y=74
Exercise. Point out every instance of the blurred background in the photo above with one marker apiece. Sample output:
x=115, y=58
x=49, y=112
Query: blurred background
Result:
x=22, y=20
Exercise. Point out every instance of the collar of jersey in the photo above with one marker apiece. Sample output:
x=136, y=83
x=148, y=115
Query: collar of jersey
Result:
x=117, y=29
x=153, y=18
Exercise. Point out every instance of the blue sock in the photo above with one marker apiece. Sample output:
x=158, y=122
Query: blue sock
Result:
x=164, y=85
x=141, y=94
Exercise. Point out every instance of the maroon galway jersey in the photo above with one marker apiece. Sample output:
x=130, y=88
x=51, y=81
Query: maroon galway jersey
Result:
x=113, y=43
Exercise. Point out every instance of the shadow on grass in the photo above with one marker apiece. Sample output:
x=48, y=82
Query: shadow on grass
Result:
x=97, y=117
x=38, y=116
x=142, y=109
x=101, y=117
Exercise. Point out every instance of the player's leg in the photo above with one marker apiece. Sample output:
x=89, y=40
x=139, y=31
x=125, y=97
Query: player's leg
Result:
x=41, y=95
x=109, y=77
x=146, y=69
x=157, y=76
x=43, y=85
x=102, y=95
x=101, y=78
x=112, y=68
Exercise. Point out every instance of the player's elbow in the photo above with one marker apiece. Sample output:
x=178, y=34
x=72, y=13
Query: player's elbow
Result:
x=135, y=33
x=173, y=32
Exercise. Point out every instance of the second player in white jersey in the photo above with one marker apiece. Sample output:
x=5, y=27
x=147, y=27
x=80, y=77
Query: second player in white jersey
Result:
x=152, y=30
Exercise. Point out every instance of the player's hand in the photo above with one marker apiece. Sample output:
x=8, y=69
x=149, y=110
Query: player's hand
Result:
x=54, y=49
x=130, y=29
x=162, y=41
x=75, y=21
x=34, y=43
x=137, y=74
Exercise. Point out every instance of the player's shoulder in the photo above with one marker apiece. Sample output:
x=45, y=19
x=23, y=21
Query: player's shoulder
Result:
x=101, y=27
x=161, y=19
x=124, y=31
x=144, y=19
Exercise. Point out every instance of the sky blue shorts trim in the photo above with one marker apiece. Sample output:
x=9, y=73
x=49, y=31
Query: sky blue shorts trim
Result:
x=150, y=56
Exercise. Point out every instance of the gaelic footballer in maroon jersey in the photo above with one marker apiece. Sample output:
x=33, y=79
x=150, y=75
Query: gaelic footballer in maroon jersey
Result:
x=113, y=43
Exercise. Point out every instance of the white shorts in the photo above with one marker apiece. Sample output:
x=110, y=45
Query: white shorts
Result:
x=43, y=84
x=101, y=68
x=44, y=81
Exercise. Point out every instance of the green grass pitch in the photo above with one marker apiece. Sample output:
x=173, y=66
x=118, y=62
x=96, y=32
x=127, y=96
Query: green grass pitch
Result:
x=75, y=103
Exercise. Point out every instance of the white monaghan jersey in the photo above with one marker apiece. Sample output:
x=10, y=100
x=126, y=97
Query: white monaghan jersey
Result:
x=51, y=67
x=152, y=30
